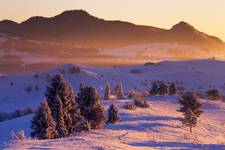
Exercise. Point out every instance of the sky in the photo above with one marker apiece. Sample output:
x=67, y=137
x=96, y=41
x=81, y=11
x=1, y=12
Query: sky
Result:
x=206, y=15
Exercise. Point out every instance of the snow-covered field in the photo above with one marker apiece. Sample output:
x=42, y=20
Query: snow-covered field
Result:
x=157, y=127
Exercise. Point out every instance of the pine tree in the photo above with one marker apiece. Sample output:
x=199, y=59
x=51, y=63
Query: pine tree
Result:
x=43, y=124
x=190, y=107
x=190, y=119
x=163, y=88
x=113, y=114
x=61, y=100
x=93, y=112
x=120, y=92
x=155, y=89
x=173, y=88
x=58, y=116
x=107, y=92
x=190, y=100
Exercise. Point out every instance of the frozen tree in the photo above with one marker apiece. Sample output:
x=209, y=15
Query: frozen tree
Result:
x=190, y=119
x=155, y=89
x=113, y=114
x=91, y=109
x=61, y=99
x=119, y=91
x=43, y=125
x=163, y=88
x=131, y=93
x=173, y=88
x=107, y=92
x=190, y=104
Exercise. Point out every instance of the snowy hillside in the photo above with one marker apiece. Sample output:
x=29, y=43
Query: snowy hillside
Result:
x=193, y=75
x=157, y=127
x=150, y=128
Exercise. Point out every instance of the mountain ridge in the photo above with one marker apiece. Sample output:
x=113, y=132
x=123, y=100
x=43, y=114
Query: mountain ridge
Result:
x=78, y=26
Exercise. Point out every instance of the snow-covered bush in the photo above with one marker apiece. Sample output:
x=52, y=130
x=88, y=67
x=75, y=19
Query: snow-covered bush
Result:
x=28, y=110
x=149, y=63
x=213, y=94
x=11, y=83
x=20, y=135
x=36, y=88
x=88, y=100
x=74, y=69
x=173, y=88
x=134, y=94
x=154, y=89
x=130, y=106
x=28, y=88
x=113, y=114
x=36, y=75
x=135, y=71
x=18, y=113
x=163, y=88
x=140, y=102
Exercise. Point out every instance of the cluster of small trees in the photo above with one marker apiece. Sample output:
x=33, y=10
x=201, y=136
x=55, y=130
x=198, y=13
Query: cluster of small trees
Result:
x=162, y=88
x=63, y=112
x=15, y=114
x=118, y=92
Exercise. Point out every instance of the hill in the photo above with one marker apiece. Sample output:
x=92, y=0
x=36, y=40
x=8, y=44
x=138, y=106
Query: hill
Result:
x=150, y=128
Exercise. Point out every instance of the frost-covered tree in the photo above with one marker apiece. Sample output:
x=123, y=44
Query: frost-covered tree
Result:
x=119, y=91
x=190, y=119
x=113, y=114
x=61, y=100
x=190, y=104
x=43, y=125
x=173, y=88
x=190, y=100
x=131, y=93
x=91, y=109
x=107, y=92
x=163, y=88
x=155, y=89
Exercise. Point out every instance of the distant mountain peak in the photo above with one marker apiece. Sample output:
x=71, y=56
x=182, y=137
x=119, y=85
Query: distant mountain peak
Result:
x=71, y=13
x=184, y=26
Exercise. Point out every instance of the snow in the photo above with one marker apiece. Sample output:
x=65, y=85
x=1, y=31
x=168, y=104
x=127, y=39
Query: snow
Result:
x=150, y=128
x=157, y=127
